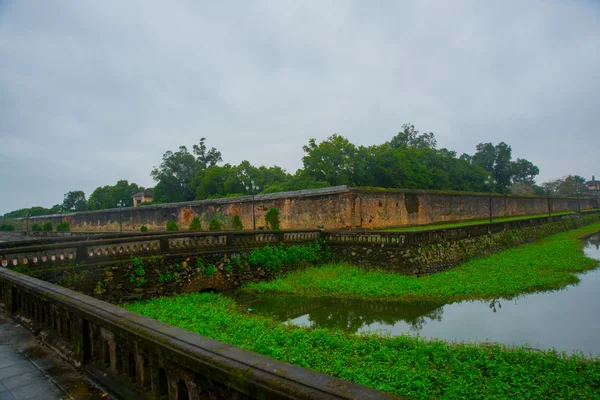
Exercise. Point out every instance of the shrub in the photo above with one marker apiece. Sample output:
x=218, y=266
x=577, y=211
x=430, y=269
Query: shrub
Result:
x=36, y=228
x=63, y=227
x=237, y=223
x=48, y=227
x=7, y=227
x=214, y=225
x=172, y=226
x=272, y=257
x=272, y=219
x=143, y=228
x=195, y=225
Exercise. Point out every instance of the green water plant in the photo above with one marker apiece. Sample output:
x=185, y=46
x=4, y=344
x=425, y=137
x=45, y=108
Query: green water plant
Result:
x=548, y=264
x=405, y=365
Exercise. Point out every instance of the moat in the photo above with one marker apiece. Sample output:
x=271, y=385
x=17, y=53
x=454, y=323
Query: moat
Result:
x=565, y=320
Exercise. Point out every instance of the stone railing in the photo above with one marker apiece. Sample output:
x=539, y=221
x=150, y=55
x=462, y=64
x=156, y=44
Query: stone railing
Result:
x=138, y=357
x=111, y=248
x=416, y=238
x=115, y=248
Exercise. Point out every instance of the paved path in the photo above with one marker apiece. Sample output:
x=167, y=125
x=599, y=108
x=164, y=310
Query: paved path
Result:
x=31, y=371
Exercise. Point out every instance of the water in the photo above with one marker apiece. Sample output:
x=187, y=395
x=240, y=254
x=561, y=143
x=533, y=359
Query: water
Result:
x=566, y=320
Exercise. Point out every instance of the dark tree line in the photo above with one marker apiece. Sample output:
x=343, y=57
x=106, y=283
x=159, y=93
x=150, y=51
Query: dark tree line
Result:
x=409, y=160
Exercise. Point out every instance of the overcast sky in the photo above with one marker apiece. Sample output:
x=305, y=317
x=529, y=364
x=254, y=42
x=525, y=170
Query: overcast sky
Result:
x=96, y=91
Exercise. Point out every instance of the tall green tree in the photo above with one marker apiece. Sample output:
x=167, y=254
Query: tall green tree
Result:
x=74, y=201
x=333, y=160
x=177, y=170
x=524, y=171
x=108, y=196
x=411, y=137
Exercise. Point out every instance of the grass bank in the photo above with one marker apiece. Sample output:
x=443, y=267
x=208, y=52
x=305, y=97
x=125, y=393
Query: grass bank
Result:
x=544, y=265
x=472, y=222
x=402, y=365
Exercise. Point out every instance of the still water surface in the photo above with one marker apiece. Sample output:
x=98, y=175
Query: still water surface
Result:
x=567, y=320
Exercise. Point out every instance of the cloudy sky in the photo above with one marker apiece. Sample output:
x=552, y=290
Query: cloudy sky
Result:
x=96, y=91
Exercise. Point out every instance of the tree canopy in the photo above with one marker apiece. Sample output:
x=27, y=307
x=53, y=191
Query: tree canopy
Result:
x=410, y=160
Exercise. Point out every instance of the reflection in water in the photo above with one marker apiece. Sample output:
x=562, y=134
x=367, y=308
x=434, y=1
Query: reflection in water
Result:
x=565, y=320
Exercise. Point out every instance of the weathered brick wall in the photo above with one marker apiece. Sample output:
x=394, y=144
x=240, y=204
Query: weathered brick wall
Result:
x=333, y=208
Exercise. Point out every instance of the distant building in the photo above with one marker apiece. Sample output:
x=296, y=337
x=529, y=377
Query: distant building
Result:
x=593, y=185
x=141, y=197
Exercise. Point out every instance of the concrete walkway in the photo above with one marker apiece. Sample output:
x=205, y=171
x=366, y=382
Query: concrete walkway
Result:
x=31, y=371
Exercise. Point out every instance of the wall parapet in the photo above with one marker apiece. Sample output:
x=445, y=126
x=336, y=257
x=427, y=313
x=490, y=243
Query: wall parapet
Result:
x=150, y=359
x=339, y=207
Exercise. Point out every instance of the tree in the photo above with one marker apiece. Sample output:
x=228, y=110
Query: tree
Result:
x=522, y=188
x=174, y=176
x=195, y=225
x=524, y=171
x=172, y=226
x=74, y=201
x=214, y=225
x=237, y=223
x=272, y=219
x=204, y=158
x=177, y=170
x=333, y=160
x=497, y=161
x=410, y=137
x=571, y=185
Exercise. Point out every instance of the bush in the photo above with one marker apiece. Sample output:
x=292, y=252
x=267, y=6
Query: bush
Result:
x=272, y=257
x=48, y=227
x=36, y=228
x=272, y=219
x=143, y=228
x=7, y=227
x=214, y=225
x=195, y=225
x=237, y=223
x=63, y=227
x=172, y=226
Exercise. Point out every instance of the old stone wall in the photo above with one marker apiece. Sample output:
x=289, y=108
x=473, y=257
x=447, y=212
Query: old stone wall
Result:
x=430, y=252
x=333, y=208
x=137, y=357
x=156, y=276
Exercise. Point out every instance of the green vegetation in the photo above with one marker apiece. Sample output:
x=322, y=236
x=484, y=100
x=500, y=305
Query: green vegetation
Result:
x=214, y=225
x=143, y=228
x=544, y=265
x=403, y=365
x=139, y=271
x=237, y=223
x=36, y=228
x=63, y=227
x=210, y=270
x=195, y=225
x=109, y=196
x=7, y=227
x=172, y=226
x=273, y=257
x=48, y=226
x=470, y=223
x=272, y=219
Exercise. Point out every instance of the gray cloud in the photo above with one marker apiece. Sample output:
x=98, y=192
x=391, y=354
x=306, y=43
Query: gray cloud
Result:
x=93, y=92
